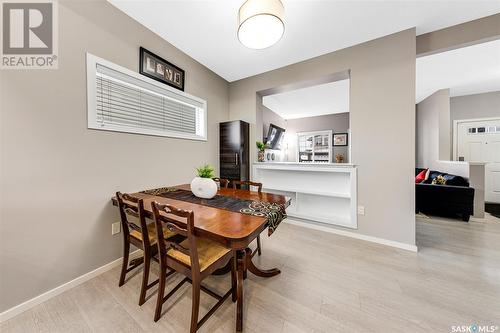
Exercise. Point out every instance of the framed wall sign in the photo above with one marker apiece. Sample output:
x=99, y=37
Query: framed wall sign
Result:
x=161, y=70
x=340, y=139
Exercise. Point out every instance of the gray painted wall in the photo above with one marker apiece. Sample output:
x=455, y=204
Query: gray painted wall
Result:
x=270, y=117
x=57, y=177
x=382, y=96
x=485, y=105
x=433, y=129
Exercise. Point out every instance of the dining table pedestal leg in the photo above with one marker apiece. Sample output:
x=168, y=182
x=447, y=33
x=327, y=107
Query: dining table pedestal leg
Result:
x=224, y=270
x=257, y=271
x=240, y=263
x=244, y=263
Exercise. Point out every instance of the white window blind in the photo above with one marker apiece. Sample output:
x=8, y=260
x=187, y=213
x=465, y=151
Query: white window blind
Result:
x=125, y=101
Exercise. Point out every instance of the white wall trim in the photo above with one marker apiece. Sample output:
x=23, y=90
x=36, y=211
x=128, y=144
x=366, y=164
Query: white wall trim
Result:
x=383, y=241
x=20, y=308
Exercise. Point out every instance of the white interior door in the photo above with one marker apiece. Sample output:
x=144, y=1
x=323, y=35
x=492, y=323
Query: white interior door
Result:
x=479, y=141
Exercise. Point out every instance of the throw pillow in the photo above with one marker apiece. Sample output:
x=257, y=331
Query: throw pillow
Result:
x=432, y=175
x=439, y=180
x=421, y=176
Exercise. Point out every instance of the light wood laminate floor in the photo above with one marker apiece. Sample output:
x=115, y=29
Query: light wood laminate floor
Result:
x=328, y=283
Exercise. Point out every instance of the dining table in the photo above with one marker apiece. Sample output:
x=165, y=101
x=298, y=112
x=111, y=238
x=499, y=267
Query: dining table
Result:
x=233, y=229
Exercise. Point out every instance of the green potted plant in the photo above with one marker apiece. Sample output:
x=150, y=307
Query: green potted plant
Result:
x=261, y=147
x=203, y=186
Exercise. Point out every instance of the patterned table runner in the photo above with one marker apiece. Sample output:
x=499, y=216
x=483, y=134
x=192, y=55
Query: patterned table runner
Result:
x=274, y=212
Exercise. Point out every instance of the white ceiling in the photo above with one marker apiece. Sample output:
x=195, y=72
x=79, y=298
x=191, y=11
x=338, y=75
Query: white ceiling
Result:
x=466, y=71
x=309, y=102
x=206, y=30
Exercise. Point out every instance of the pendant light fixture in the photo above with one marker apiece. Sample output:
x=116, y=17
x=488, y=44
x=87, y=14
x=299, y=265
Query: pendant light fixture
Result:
x=261, y=23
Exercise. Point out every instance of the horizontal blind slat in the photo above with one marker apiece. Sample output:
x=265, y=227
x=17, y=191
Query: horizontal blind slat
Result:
x=126, y=101
x=114, y=115
x=174, y=114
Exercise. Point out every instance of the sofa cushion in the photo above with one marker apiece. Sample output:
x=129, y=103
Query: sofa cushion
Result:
x=432, y=174
x=421, y=176
x=454, y=180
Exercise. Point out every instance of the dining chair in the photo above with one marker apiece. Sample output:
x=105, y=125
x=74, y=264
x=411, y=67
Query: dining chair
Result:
x=248, y=184
x=194, y=257
x=224, y=183
x=141, y=235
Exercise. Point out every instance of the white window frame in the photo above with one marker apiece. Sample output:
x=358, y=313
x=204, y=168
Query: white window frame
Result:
x=92, y=122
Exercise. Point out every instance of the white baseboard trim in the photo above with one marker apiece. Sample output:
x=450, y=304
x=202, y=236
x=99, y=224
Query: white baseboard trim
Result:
x=383, y=241
x=15, y=310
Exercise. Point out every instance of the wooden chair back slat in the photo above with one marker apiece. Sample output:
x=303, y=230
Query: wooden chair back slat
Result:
x=131, y=211
x=175, y=228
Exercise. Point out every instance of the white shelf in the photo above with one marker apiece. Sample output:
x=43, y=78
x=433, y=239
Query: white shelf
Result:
x=336, y=220
x=325, y=193
x=315, y=144
x=297, y=190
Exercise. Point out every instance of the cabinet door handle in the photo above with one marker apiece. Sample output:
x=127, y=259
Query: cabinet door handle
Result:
x=236, y=158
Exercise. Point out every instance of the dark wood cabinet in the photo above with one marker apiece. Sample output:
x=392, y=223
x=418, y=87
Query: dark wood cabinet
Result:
x=234, y=150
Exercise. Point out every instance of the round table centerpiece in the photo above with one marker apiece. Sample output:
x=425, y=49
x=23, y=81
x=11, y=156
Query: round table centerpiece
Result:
x=204, y=186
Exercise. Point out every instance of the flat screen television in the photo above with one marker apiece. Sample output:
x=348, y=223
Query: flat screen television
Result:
x=275, y=137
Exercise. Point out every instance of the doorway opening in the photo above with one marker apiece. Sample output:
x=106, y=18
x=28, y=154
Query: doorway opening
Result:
x=458, y=132
x=307, y=122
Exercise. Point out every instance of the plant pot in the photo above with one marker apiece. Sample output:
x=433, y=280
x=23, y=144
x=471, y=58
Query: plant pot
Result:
x=260, y=156
x=204, y=188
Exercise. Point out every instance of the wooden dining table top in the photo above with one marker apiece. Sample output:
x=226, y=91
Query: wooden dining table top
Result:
x=233, y=229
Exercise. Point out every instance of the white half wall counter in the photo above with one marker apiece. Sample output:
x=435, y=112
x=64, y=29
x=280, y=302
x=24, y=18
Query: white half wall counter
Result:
x=320, y=192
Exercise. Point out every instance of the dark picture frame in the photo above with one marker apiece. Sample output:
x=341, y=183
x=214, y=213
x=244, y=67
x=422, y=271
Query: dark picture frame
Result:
x=340, y=139
x=159, y=69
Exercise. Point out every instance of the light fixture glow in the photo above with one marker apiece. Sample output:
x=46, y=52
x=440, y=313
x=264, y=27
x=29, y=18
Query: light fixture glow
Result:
x=260, y=23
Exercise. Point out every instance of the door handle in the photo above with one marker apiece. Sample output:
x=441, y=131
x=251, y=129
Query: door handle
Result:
x=236, y=158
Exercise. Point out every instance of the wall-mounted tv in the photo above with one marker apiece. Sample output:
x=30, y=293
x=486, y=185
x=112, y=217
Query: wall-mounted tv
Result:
x=275, y=136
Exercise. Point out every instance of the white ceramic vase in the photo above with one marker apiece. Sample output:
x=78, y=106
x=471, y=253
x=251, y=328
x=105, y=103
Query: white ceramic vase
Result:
x=204, y=188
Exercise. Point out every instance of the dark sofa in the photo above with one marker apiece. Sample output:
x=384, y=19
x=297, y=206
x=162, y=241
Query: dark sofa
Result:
x=456, y=198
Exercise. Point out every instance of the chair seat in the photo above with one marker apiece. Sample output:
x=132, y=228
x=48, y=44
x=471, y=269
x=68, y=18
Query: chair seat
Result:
x=208, y=253
x=152, y=234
